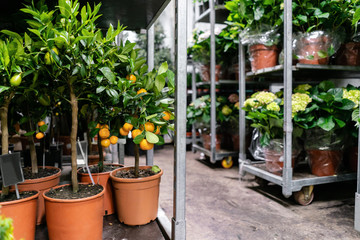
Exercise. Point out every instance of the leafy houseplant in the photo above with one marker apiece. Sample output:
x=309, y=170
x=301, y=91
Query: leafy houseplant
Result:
x=258, y=22
x=324, y=120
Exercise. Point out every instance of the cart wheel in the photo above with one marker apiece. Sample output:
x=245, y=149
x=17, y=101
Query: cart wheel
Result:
x=227, y=162
x=261, y=182
x=305, y=196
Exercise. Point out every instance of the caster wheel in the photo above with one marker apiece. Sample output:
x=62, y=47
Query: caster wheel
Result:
x=305, y=196
x=261, y=182
x=227, y=162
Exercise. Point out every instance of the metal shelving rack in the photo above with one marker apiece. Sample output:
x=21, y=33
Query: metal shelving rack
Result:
x=215, y=14
x=289, y=181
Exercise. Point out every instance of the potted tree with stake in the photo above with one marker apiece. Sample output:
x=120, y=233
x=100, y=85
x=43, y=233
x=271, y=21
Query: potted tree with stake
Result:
x=68, y=45
x=147, y=112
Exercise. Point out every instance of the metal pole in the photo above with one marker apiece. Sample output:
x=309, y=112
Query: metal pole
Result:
x=357, y=194
x=242, y=97
x=178, y=222
x=193, y=98
x=288, y=128
x=212, y=79
x=150, y=62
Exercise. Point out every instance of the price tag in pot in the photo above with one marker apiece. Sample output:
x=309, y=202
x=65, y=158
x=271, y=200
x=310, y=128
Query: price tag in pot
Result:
x=11, y=170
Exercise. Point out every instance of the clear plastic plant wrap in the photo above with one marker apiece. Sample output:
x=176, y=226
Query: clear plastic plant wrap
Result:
x=263, y=50
x=324, y=150
x=315, y=47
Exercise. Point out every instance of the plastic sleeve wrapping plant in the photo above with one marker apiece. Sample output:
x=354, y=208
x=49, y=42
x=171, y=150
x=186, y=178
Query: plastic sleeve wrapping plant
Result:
x=315, y=47
x=265, y=35
x=317, y=138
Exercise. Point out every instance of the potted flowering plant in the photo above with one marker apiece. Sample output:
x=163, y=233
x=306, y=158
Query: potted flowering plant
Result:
x=324, y=120
x=258, y=22
x=147, y=113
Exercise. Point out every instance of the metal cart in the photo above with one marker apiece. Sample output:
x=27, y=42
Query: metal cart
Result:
x=299, y=183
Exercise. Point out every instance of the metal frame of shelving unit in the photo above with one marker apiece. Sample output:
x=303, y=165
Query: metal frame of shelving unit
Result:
x=290, y=181
x=212, y=153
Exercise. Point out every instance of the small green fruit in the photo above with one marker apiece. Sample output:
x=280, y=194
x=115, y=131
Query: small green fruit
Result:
x=48, y=58
x=15, y=80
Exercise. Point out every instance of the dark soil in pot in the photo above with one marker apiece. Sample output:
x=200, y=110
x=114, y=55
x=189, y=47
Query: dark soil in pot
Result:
x=12, y=196
x=131, y=173
x=95, y=168
x=65, y=192
x=42, y=172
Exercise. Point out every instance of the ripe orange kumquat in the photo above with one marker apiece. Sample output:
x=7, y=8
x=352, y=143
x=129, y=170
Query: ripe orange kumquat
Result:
x=105, y=142
x=141, y=91
x=135, y=133
x=39, y=135
x=41, y=123
x=123, y=132
x=113, y=139
x=104, y=133
x=157, y=130
x=127, y=127
x=167, y=116
x=149, y=127
x=145, y=145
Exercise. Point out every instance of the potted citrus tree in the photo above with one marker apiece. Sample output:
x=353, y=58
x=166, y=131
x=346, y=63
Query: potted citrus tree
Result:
x=148, y=108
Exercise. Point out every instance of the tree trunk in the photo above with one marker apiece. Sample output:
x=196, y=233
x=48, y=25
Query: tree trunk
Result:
x=33, y=157
x=73, y=135
x=136, y=153
x=5, y=133
x=101, y=155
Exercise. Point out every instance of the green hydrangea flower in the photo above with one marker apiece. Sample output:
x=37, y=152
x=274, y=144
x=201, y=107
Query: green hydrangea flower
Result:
x=302, y=88
x=273, y=107
x=299, y=102
x=265, y=97
x=353, y=95
x=250, y=102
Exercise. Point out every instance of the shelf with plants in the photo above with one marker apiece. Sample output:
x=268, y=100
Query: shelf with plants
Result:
x=273, y=114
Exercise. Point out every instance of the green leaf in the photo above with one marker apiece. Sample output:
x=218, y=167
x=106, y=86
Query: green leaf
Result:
x=13, y=34
x=155, y=169
x=326, y=85
x=356, y=16
x=128, y=47
x=151, y=116
x=340, y=123
x=326, y=123
x=94, y=132
x=163, y=68
x=139, y=63
x=108, y=74
x=159, y=82
x=4, y=88
x=43, y=128
x=100, y=89
x=139, y=137
x=29, y=133
x=112, y=93
x=322, y=54
x=151, y=137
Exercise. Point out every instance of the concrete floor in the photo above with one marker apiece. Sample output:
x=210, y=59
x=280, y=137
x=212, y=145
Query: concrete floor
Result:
x=222, y=207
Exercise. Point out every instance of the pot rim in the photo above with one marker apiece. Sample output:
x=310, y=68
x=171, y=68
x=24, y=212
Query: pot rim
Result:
x=134, y=180
x=43, y=179
x=72, y=200
x=21, y=200
x=100, y=173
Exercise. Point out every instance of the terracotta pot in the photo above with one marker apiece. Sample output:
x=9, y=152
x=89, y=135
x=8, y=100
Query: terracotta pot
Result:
x=207, y=141
x=104, y=180
x=274, y=161
x=324, y=162
x=136, y=199
x=349, y=54
x=23, y=214
x=205, y=72
x=262, y=56
x=311, y=47
x=75, y=218
x=235, y=140
x=41, y=185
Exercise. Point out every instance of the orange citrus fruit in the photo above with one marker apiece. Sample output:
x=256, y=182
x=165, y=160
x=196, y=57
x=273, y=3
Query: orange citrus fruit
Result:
x=113, y=139
x=135, y=133
x=41, y=123
x=145, y=145
x=98, y=125
x=127, y=127
x=132, y=78
x=149, y=127
x=104, y=126
x=104, y=133
x=39, y=135
x=123, y=132
x=105, y=142
x=157, y=130
x=167, y=116
x=141, y=91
